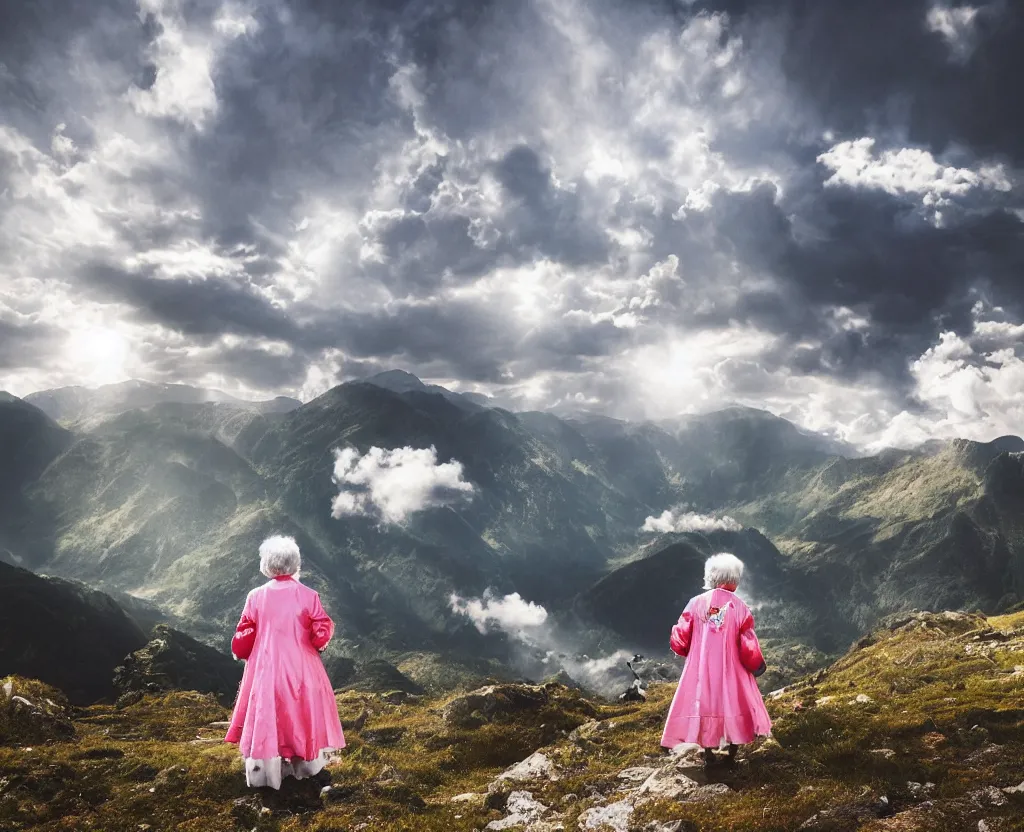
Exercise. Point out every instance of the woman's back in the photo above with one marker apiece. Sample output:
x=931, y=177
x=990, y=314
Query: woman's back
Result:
x=284, y=609
x=717, y=699
x=286, y=707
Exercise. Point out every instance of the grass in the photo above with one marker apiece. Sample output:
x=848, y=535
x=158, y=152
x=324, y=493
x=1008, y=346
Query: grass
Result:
x=944, y=707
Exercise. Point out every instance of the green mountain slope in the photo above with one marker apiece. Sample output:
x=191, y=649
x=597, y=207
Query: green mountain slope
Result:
x=927, y=530
x=63, y=633
x=169, y=503
x=29, y=442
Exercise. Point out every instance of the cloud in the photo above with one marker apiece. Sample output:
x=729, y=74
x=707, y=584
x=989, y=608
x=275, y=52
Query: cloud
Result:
x=543, y=647
x=956, y=25
x=642, y=208
x=182, y=62
x=967, y=386
x=907, y=171
x=676, y=520
x=395, y=484
x=510, y=614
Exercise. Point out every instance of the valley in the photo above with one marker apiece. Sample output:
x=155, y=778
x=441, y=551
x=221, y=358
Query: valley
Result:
x=602, y=523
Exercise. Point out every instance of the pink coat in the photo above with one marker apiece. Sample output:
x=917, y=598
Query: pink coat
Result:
x=717, y=698
x=285, y=706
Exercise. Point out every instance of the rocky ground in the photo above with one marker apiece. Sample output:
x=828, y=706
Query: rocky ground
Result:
x=919, y=727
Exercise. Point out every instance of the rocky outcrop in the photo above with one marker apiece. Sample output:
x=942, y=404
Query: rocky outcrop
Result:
x=494, y=702
x=522, y=811
x=174, y=661
x=377, y=676
x=32, y=713
x=341, y=670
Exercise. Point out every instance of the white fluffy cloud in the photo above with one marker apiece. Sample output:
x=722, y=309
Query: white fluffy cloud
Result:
x=907, y=171
x=973, y=387
x=677, y=520
x=529, y=625
x=510, y=614
x=395, y=484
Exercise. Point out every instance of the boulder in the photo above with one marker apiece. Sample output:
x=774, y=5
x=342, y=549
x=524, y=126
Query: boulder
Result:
x=848, y=816
x=341, y=670
x=590, y=732
x=535, y=767
x=637, y=774
x=471, y=798
x=615, y=817
x=379, y=676
x=668, y=783
x=522, y=811
x=494, y=702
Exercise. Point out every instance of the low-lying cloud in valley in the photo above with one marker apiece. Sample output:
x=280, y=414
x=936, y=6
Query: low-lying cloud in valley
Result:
x=679, y=520
x=392, y=485
x=541, y=646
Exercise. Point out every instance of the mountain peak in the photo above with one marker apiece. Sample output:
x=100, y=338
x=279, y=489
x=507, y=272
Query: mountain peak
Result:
x=398, y=381
x=402, y=382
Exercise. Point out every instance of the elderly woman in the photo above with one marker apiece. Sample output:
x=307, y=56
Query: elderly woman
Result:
x=285, y=720
x=717, y=703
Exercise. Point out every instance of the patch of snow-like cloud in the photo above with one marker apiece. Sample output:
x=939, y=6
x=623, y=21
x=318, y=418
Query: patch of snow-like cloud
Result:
x=510, y=614
x=540, y=644
x=392, y=485
x=679, y=520
x=183, y=59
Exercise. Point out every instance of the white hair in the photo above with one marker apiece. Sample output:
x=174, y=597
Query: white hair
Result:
x=723, y=568
x=279, y=556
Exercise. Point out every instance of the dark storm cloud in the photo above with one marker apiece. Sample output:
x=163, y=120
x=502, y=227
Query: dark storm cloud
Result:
x=874, y=65
x=204, y=307
x=257, y=368
x=39, y=44
x=22, y=343
x=303, y=108
x=867, y=251
x=474, y=340
x=420, y=251
x=542, y=216
x=429, y=145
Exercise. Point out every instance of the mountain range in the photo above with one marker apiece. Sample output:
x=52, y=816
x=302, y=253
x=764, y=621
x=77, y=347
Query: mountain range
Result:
x=162, y=494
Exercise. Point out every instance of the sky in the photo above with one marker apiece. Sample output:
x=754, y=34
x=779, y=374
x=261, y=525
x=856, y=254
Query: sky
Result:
x=643, y=207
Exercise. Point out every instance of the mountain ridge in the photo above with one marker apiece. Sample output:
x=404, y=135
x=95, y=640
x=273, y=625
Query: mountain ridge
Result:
x=169, y=504
x=77, y=403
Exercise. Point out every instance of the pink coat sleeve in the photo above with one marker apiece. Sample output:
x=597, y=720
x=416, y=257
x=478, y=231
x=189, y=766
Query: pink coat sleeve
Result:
x=679, y=640
x=751, y=656
x=321, y=628
x=245, y=633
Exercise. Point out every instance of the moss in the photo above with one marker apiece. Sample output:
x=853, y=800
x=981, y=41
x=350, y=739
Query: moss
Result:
x=944, y=709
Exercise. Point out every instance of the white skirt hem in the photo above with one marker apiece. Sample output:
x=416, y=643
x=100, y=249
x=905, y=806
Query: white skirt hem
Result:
x=271, y=773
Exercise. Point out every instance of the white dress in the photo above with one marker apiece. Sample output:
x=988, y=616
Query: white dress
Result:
x=264, y=773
